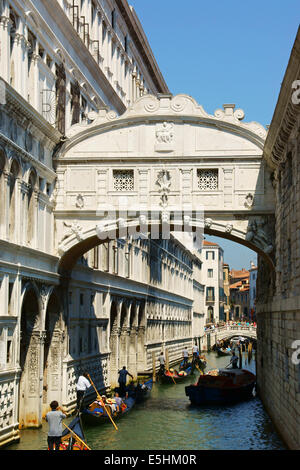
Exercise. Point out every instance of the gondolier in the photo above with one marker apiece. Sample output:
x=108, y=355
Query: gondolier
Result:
x=82, y=385
x=195, y=351
x=162, y=361
x=122, y=380
x=234, y=360
x=185, y=354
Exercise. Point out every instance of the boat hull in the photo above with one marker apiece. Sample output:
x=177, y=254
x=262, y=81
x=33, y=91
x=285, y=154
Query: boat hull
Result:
x=236, y=386
x=203, y=396
x=223, y=353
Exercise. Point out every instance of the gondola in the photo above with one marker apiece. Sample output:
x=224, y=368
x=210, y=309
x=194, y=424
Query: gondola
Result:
x=222, y=386
x=170, y=376
x=223, y=352
x=94, y=414
x=73, y=436
x=144, y=393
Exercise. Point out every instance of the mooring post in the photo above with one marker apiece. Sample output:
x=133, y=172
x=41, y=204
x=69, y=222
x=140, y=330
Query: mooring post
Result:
x=153, y=367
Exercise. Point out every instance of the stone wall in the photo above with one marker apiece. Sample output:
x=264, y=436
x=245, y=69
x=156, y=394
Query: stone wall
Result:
x=278, y=300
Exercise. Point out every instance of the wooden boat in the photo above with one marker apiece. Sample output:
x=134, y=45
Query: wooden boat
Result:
x=223, y=352
x=73, y=436
x=171, y=376
x=200, y=362
x=94, y=414
x=222, y=386
x=144, y=393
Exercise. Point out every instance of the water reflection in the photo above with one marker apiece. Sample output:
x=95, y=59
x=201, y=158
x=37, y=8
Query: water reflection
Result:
x=168, y=421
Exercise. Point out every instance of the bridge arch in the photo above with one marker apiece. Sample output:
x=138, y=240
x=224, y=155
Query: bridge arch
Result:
x=76, y=245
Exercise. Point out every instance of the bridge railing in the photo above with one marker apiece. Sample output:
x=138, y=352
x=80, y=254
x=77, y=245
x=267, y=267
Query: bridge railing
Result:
x=231, y=328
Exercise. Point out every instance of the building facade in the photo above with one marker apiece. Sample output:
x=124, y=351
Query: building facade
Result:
x=226, y=279
x=212, y=278
x=252, y=291
x=239, y=293
x=59, y=64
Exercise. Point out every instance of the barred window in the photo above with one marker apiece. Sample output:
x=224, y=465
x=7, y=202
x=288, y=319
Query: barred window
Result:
x=208, y=180
x=123, y=180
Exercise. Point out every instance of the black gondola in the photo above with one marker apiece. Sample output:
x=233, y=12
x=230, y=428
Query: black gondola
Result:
x=170, y=376
x=223, y=352
x=73, y=436
x=94, y=414
x=143, y=391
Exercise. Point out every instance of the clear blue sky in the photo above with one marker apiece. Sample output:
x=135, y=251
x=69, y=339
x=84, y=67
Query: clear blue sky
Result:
x=223, y=52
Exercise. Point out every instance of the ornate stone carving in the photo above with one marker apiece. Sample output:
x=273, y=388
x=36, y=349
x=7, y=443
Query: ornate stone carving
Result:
x=208, y=223
x=228, y=228
x=165, y=133
x=73, y=229
x=165, y=137
x=257, y=234
x=164, y=182
x=79, y=201
x=249, y=201
x=45, y=292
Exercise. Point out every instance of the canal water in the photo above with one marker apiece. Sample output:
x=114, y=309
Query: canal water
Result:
x=167, y=421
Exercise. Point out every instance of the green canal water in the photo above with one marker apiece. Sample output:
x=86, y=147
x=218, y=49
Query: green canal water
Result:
x=167, y=421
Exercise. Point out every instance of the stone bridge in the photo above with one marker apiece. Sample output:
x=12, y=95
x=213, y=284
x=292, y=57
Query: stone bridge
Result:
x=225, y=332
x=165, y=161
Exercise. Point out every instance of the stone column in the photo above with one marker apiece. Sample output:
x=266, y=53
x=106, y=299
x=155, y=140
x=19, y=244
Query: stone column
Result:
x=4, y=288
x=132, y=351
x=102, y=186
x=228, y=187
x=30, y=384
x=5, y=25
x=4, y=206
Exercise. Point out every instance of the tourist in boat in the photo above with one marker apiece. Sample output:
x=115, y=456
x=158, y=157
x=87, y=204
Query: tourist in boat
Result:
x=82, y=385
x=119, y=401
x=122, y=380
x=234, y=361
x=185, y=354
x=54, y=419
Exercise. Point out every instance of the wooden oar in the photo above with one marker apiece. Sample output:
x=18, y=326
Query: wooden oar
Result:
x=201, y=373
x=77, y=437
x=102, y=403
x=172, y=377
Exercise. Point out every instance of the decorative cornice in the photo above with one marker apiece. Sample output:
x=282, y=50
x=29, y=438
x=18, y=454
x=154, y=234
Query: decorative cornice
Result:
x=286, y=112
x=167, y=108
x=139, y=38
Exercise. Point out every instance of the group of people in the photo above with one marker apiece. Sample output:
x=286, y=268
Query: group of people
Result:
x=185, y=355
x=56, y=415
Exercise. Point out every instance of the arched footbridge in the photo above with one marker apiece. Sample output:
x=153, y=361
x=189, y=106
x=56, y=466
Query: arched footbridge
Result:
x=211, y=336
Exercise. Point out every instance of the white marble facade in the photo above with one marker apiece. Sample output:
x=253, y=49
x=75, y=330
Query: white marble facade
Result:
x=60, y=61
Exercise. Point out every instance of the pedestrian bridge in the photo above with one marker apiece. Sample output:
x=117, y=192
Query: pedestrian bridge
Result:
x=211, y=336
